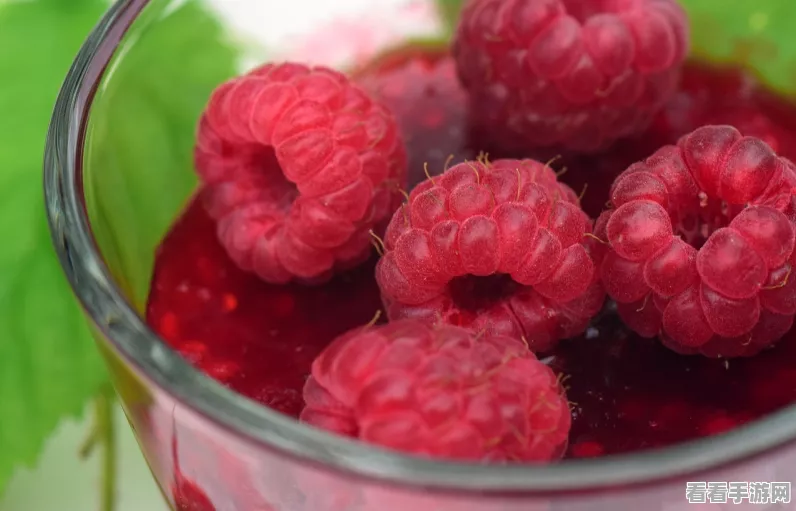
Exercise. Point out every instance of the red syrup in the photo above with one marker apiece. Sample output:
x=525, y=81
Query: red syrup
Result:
x=257, y=338
x=628, y=393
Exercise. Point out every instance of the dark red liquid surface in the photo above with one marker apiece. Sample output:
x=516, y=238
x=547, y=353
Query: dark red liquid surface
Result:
x=628, y=393
x=259, y=339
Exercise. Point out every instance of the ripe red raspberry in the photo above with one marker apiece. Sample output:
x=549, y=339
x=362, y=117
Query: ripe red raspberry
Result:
x=418, y=83
x=701, y=239
x=575, y=74
x=728, y=96
x=492, y=246
x=440, y=392
x=300, y=164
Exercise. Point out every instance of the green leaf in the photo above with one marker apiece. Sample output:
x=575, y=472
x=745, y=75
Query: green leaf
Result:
x=449, y=10
x=139, y=175
x=139, y=168
x=757, y=34
x=49, y=366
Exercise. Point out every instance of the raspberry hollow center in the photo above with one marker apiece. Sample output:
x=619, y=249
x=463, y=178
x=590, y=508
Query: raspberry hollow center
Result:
x=582, y=11
x=281, y=192
x=710, y=215
x=473, y=294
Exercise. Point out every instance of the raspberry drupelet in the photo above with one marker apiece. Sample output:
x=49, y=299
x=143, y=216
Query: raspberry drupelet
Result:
x=439, y=391
x=497, y=246
x=573, y=74
x=300, y=164
x=701, y=239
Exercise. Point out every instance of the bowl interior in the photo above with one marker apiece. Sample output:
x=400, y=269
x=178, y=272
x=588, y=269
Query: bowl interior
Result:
x=137, y=157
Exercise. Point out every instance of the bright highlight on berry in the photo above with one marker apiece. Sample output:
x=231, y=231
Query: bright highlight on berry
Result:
x=497, y=246
x=441, y=392
x=300, y=165
x=701, y=241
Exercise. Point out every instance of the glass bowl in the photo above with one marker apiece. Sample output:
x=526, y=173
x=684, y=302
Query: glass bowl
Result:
x=118, y=170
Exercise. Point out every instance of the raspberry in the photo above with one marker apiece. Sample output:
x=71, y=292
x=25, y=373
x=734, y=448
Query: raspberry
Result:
x=572, y=74
x=299, y=164
x=701, y=239
x=440, y=392
x=418, y=83
x=730, y=96
x=495, y=246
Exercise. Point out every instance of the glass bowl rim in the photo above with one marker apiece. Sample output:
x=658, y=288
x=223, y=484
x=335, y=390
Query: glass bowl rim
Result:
x=148, y=354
